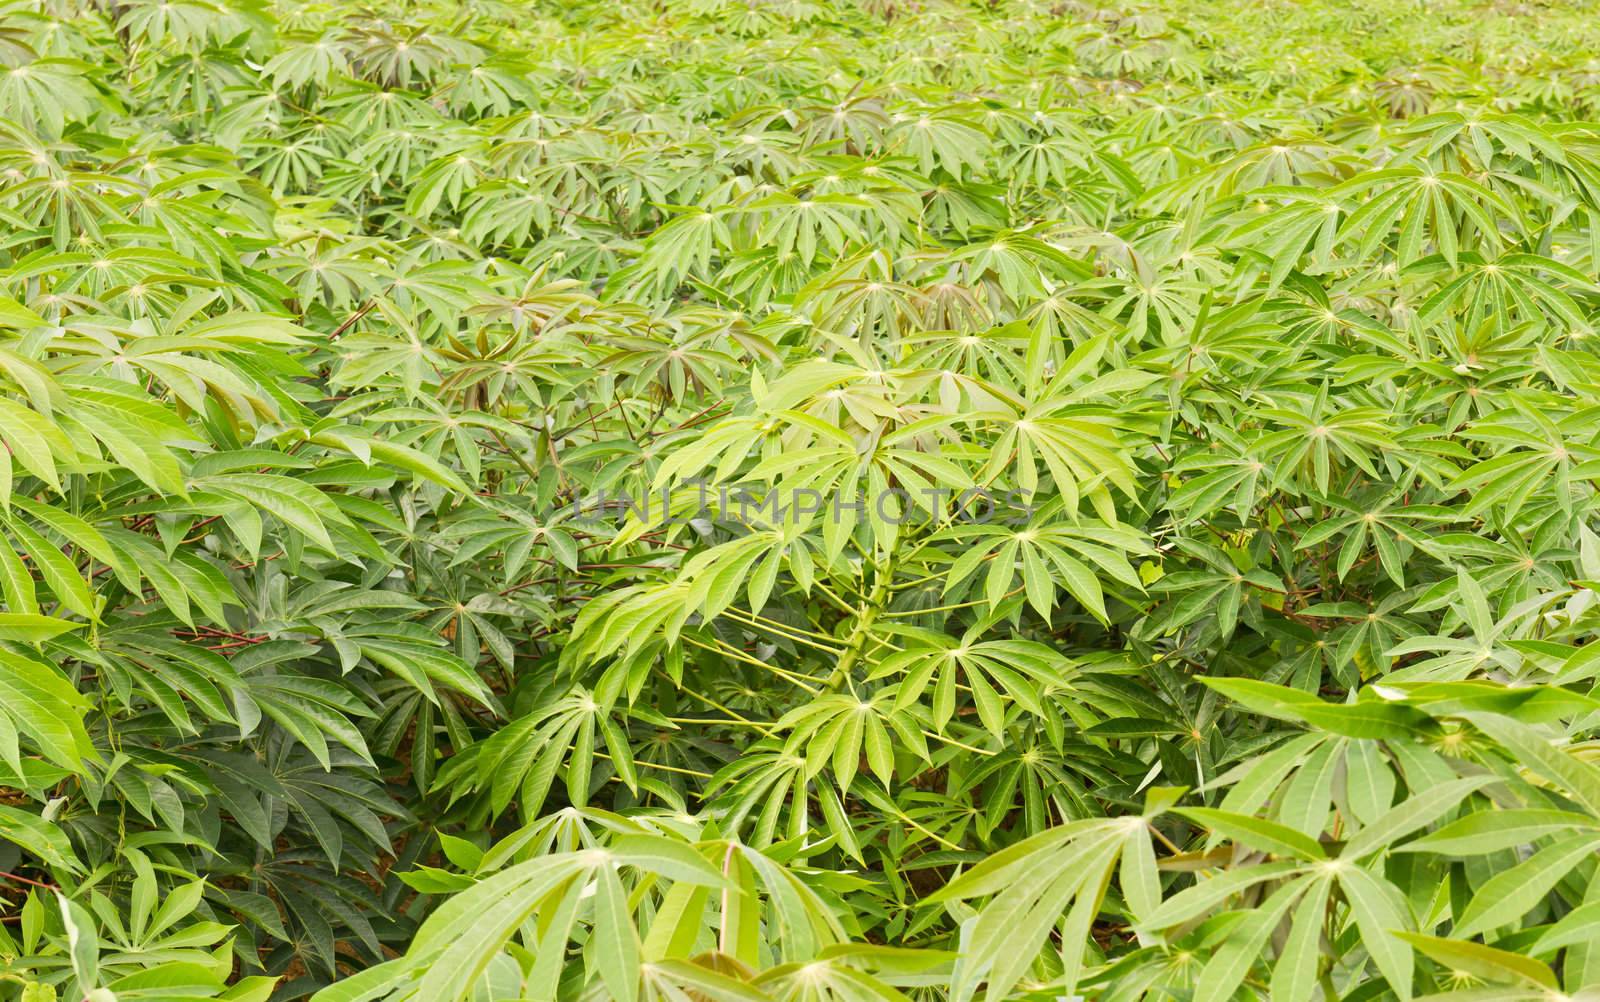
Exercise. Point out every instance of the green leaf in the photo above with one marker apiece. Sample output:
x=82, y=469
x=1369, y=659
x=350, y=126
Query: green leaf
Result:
x=1481, y=832
x=29, y=628
x=1403, y=819
x=83, y=943
x=1257, y=833
x=45, y=706
x=39, y=837
x=1509, y=895
x=616, y=942
x=1486, y=962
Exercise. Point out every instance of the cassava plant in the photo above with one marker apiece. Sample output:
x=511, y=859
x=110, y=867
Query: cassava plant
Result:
x=799, y=501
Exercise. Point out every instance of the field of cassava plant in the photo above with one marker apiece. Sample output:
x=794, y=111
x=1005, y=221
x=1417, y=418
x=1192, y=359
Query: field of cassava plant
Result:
x=799, y=501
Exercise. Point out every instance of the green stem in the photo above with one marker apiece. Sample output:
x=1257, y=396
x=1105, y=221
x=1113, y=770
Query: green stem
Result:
x=866, y=615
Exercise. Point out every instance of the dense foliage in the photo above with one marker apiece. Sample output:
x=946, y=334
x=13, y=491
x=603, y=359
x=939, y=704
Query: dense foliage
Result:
x=756, y=500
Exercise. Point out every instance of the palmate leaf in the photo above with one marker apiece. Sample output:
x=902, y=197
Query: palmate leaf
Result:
x=1081, y=859
x=1078, y=445
x=1420, y=207
x=1046, y=555
x=449, y=961
x=1017, y=670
